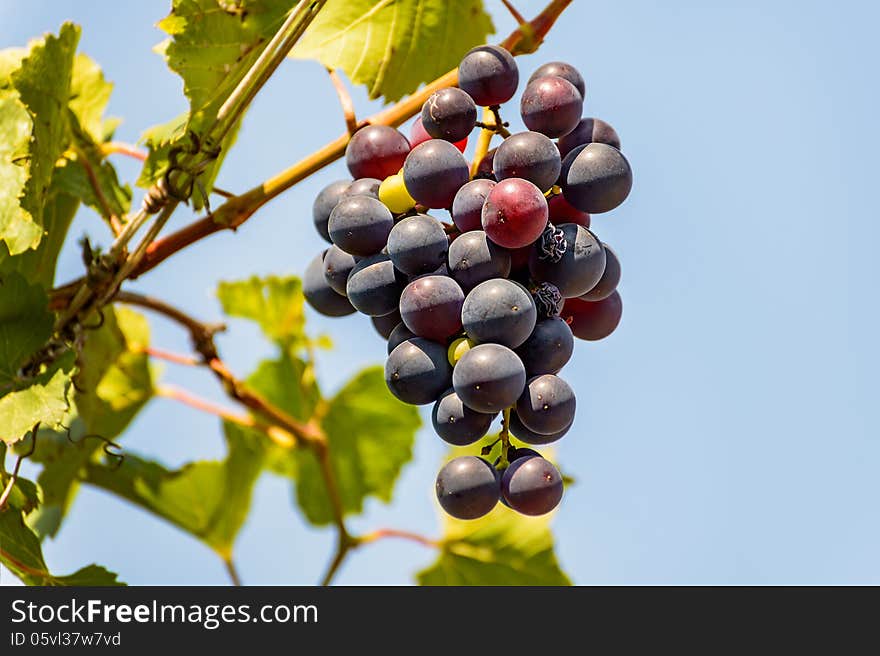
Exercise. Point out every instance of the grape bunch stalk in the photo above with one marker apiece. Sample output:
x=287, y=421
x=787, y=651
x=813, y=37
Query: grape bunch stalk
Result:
x=481, y=313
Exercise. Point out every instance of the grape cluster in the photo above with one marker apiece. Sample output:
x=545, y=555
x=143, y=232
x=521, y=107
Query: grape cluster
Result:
x=480, y=314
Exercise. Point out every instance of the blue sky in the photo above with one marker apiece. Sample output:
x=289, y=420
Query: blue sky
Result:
x=726, y=433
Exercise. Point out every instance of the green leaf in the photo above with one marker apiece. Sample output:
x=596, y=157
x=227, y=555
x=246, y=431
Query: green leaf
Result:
x=43, y=85
x=116, y=382
x=209, y=500
x=115, y=373
x=211, y=46
x=20, y=552
x=370, y=436
x=24, y=496
x=276, y=304
x=38, y=265
x=502, y=548
x=158, y=140
x=25, y=325
x=18, y=229
x=288, y=383
x=89, y=95
x=42, y=399
x=392, y=46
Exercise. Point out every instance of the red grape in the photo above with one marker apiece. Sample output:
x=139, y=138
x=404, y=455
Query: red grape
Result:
x=593, y=320
x=376, y=151
x=515, y=213
x=418, y=134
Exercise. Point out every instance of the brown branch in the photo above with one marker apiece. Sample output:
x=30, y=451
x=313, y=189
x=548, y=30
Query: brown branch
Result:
x=232, y=571
x=168, y=356
x=344, y=101
x=275, y=433
x=236, y=211
x=114, y=147
x=383, y=533
x=518, y=17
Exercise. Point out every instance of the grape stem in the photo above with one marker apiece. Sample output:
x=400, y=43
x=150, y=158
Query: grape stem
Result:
x=344, y=101
x=505, y=438
x=484, y=140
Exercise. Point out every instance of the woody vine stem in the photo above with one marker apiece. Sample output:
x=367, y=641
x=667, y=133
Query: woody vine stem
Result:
x=80, y=299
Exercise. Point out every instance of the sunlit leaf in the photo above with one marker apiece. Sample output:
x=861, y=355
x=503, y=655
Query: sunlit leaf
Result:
x=502, y=548
x=392, y=46
x=370, y=436
x=274, y=303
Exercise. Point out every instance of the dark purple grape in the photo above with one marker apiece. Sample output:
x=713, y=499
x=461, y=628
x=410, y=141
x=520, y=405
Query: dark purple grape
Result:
x=547, y=404
x=431, y=307
x=467, y=487
x=530, y=156
x=548, y=349
x=514, y=454
x=324, y=203
x=374, y=286
x=593, y=321
x=449, y=114
x=489, y=75
x=337, y=265
x=589, y=130
x=609, y=280
x=598, y=179
x=399, y=335
x=456, y=423
x=489, y=378
x=474, y=259
x=434, y=172
x=551, y=106
x=581, y=265
x=563, y=70
x=321, y=296
x=499, y=311
x=418, y=244
x=417, y=371
x=530, y=437
x=376, y=151
x=486, y=167
x=386, y=324
x=360, y=225
x=532, y=486
x=363, y=187
x=467, y=206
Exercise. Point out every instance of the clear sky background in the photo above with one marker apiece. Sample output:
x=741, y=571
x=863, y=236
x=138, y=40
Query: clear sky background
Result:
x=727, y=432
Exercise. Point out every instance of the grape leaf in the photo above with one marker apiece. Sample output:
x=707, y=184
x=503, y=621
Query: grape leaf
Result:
x=89, y=95
x=502, y=548
x=20, y=552
x=370, y=436
x=43, y=84
x=276, y=304
x=43, y=399
x=211, y=46
x=17, y=228
x=25, y=325
x=392, y=46
x=116, y=382
x=207, y=499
